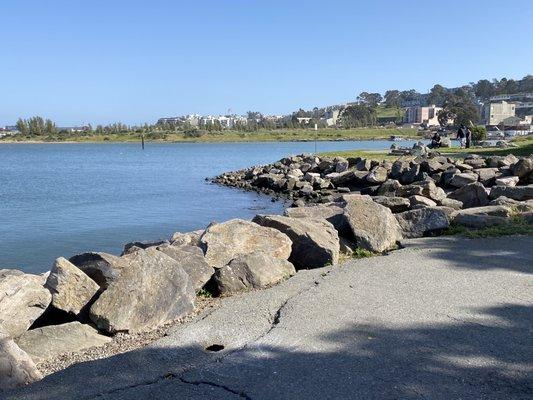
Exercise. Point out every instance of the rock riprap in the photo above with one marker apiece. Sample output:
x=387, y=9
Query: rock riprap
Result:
x=315, y=242
x=151, y=290
x=103, y=268
x=373, y=225
x=256, y=270
x=50, y=341
x=72, y=290
x=225, y=241
x=23, y=299
x=16, y=367
x=191, y=259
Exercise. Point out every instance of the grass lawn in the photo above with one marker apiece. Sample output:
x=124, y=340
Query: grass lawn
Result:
x=525, y=148
x=374, y=133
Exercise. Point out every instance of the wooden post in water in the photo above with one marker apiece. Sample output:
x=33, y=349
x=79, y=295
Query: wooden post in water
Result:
x=142, y=141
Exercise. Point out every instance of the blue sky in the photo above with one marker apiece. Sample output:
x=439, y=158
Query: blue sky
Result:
x=135, y=61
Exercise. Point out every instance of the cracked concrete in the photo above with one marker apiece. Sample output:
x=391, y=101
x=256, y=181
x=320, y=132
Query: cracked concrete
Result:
x=442, y=318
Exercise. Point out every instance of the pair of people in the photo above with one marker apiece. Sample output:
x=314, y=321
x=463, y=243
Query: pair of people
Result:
x=464, y=135
x=436, y=141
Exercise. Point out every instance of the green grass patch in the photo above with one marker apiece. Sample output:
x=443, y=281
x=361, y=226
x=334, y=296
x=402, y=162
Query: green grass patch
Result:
x=362, y=253
x=204, y=293
x=517, y=226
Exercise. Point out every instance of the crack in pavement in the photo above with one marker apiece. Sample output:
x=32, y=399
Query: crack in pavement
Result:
x=274, y=320
x=226, y=388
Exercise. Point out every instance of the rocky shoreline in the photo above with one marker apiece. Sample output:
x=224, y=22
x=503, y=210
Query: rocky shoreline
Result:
x=93, y=305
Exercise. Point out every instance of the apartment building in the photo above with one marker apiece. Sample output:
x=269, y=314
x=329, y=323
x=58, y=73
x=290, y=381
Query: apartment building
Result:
x=422, y=115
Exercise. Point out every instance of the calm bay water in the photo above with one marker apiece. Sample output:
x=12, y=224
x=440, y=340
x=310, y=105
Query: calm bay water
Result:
x=63, y=199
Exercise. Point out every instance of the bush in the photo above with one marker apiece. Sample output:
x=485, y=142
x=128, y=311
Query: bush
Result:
x=193, y=133
x=478, y=133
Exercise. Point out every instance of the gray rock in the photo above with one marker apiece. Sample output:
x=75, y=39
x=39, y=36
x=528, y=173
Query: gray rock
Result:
x=471, y=195
x=399, y=167
x=411, y=175
x=224, y=242
x=508, y=160
x=389, y=188
x=451, y=203
x=523, y=167
x=507, y=181
x=45, y=343
x=251, y=271
x=191, y=259
x=395, y=204
x=23, y=299
x=151, y=290
x=315, y=242
x=341, y=164
x=136, y=246
x=424, y=188
x=478, y=221
x=188, y=238
x=494, y=210
x=103, y=268
x=377, y=175
x=421, y=201
x=423, y=221
x=463, y=179
x=72, y=290
x=331, y=212
x=16, y=367
x=516, y=193
x=373, y=225
x=487, y=176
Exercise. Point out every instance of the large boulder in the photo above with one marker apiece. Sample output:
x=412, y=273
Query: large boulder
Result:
x=423, y=188
x=103, y=268
x=72, y=290
x=395, y=204
x=331, y=212
x=487, y=176
x=514, y=192
x=23, y=299
x=463, y=179
x=192, y=260
x=44, y=343
x=373, y=225
x=423, y=221
x=315, y=242
x=151, y=290
x=389, y=188
x=187, y=238
x=377, y=175
x=523, y=167
x=251, y=271
x=478, y=221
x=16, y=367
x=471, y=195
x=223, y=242
x=422, y=201
x=132, y=247
x=507, y=181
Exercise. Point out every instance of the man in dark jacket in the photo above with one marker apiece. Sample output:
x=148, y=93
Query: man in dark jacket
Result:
x=468, y=138
x=461, y=135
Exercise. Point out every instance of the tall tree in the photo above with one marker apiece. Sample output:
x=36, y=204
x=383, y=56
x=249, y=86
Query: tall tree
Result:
x=392, y=98
x=22, y=126
x=370, y=99
x=437, y=95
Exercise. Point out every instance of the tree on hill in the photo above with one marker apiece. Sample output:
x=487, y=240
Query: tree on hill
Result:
x=358, y=115
x=459, y=107
x=437, y=95
x=392, y=98
x=370, y=99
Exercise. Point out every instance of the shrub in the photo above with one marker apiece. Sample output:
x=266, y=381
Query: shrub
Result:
x=478, y=133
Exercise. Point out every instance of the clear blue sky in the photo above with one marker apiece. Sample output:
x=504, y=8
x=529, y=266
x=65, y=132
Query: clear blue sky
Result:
x=134, y=61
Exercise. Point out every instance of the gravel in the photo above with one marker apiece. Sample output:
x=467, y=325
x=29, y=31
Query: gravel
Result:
x=124, y=342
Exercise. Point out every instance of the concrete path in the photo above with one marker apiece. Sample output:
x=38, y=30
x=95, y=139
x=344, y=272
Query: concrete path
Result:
x=444, y=318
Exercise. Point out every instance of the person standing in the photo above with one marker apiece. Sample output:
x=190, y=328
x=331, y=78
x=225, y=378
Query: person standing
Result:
x=468, y=138
x=461, y=135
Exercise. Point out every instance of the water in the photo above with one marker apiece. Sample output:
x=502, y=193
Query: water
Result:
x=63, y=199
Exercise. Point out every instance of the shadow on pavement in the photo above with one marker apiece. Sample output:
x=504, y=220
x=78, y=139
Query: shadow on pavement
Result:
x=455, y=360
